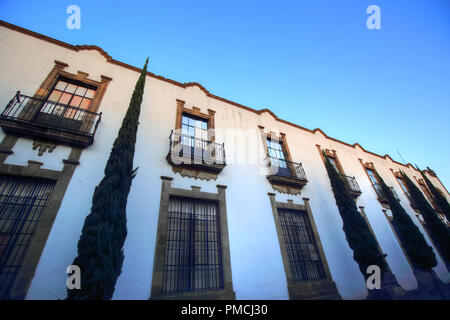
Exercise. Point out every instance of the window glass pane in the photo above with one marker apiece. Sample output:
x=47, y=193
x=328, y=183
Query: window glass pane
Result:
x=185, y=120
x=80, y=91
x=61, y=85
x=55, y=95
x=85, y=104
x=71, y=88
x=90, y=93
x=65, y=98
x=75, y=102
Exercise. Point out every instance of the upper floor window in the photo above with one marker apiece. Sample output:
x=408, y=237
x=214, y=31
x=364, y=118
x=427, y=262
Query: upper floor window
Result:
x=278, y=157
x=372, y=176
x=194, y=130
x=403, y=186
x=73, y=94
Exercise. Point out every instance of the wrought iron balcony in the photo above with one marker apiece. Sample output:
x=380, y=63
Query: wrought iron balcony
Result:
x=284, y=172
x=352, y=185
x=194, y=153
x=43, y=119
x=380, y=193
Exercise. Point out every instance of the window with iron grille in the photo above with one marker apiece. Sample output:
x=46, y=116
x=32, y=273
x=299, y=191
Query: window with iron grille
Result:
x=193, y=257
x=22, y=201
x=303, y=254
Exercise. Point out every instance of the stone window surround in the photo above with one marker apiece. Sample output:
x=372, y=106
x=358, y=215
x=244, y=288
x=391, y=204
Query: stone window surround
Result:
x=34, y=170
x=160, y=248
x=331, y=154
x=58, y=71
x=312, y=289
x=195, y=111
x=281, y=138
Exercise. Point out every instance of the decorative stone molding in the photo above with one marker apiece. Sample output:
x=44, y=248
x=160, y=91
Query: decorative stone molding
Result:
x=286, y=189
x=43, y=146
x=196, y=174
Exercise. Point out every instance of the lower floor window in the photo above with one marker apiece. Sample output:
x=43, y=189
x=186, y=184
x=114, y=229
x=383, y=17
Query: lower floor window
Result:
x=303, y=254
x=22, y=201
x=193, y=257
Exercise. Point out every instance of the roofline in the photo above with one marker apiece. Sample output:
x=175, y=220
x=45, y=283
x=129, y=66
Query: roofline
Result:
x=186, y=85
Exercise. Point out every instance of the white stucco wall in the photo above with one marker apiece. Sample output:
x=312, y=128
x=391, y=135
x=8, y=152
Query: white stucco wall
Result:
x=257, y=267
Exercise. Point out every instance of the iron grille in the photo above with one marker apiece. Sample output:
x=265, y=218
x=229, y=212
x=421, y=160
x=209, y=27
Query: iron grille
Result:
x=286, y=168
x=301, y=247
x=351, y=182
x=191, y=149
x=193, y=257
x=49, y=114
x=22, y=201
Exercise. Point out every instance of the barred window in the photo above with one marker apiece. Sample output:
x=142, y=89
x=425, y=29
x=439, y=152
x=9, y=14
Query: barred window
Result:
x=303, y=254
x=193, y=257
x=22, y=201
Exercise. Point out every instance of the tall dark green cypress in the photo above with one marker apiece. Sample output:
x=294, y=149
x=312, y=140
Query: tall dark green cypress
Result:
x=439, y=232
x=100, y=247
x=438, y=197
x=415, y=245
x=357, y=232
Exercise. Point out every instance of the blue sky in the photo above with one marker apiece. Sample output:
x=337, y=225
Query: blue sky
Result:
x=387, y=89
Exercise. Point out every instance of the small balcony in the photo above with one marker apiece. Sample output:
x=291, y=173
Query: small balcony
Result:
x=47, y=120
x=193, y=153
x=352, y=185
x=381, y=196
x=286, y=173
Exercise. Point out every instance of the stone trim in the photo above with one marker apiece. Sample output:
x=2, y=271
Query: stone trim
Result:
x=58, y=71
x=160, y=248
x=195, y=111
x=315, y=289
x=37, y=244
x=331, y=154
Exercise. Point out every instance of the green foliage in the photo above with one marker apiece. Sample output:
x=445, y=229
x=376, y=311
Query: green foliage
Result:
x=413, y=241
x=100, y=247
x=357, y=232
x=441, y=201
x=439, y=232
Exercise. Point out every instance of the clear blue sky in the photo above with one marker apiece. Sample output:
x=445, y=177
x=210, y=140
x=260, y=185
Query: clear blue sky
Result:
x=387, y=89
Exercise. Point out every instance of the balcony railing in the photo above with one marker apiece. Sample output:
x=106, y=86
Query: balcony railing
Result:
x=49, y=120
x=191, y=152
x=352, y=185
x=380, y=193
x=286, y=172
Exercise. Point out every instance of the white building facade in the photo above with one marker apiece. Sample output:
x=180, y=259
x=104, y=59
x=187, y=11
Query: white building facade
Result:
x=265, y=198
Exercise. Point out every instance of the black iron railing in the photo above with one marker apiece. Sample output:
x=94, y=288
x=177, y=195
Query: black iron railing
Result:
x=282, y=167
x=49, y=114
x=380, y=193
x=352, y=183
x=184, y=148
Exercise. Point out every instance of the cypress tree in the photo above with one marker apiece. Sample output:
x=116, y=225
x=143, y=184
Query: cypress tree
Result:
x=437, y=228
x=415, y=245
x=438, y=197
x=100, y=247
x=357, y=232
